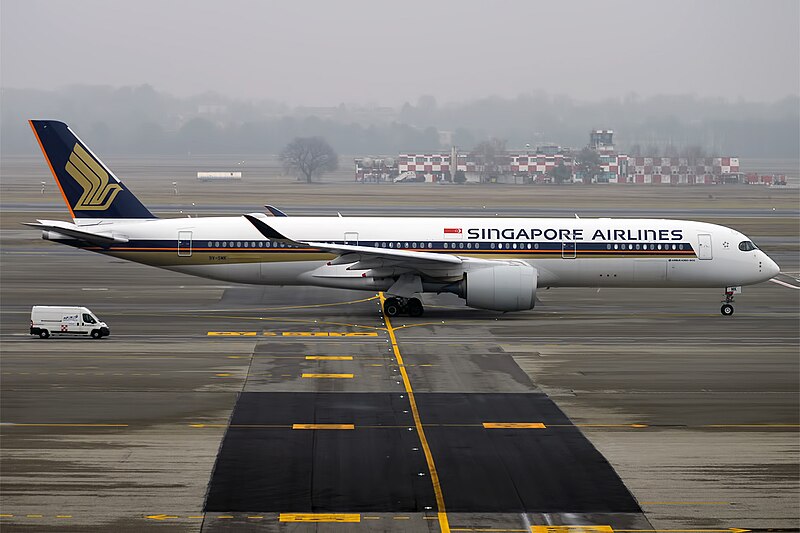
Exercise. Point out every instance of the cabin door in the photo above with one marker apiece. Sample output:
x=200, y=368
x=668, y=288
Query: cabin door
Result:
x=184, y=244
x=351, y=237
x=568, y=250
x=704, y=246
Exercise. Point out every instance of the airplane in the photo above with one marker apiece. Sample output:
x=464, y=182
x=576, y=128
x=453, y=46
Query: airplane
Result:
x=492, y=263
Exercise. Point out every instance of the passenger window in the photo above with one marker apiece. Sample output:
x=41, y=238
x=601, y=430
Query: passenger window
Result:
x=747, y=246
x=88, y=319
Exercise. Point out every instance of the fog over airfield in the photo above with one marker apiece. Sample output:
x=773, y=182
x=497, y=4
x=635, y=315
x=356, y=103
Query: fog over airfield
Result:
x=324, y=53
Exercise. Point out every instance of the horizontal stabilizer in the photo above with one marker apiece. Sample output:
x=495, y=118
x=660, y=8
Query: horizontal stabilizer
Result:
x=70, y=230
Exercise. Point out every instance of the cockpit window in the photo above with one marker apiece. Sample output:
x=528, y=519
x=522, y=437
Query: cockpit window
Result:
x=746, y=246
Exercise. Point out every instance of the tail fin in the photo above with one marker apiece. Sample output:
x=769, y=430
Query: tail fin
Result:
x=89, y=188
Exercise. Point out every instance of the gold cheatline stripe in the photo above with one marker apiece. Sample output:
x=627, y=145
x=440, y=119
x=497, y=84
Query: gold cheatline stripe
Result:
x=437, y=487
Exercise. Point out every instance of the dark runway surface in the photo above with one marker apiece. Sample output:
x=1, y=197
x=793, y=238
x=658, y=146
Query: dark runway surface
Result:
x=379, y=467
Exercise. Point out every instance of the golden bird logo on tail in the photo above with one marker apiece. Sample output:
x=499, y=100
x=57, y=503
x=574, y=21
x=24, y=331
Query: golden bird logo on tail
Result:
x=97, y=192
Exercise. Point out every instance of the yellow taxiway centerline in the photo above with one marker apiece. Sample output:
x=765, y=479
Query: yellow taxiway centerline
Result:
x=444, y=525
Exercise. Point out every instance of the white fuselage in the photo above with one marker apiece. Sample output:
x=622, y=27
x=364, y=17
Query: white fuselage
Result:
x=566, y=252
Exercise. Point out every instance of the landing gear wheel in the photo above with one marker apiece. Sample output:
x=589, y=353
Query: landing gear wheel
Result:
x=96, y=334
x=44, y=334
x=414, y=307
x=391, y=307
x=727, y=303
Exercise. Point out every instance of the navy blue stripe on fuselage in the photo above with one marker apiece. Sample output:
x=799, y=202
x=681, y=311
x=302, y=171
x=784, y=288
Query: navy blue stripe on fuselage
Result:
x=452, y=247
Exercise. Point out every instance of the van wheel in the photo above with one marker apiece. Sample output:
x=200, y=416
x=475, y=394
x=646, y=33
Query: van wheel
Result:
x=44, y=334
x=96, y=334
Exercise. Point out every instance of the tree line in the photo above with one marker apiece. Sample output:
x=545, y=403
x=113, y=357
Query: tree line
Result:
x=143, y=120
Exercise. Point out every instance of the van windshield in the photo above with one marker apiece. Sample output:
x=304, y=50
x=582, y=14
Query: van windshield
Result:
x=89, y=319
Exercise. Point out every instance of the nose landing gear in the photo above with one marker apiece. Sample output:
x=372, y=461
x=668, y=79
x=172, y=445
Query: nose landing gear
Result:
x=403, y=306
x=727, y=306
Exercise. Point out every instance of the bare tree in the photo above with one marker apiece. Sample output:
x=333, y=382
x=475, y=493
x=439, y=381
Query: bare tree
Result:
x=309, y=156
x=588, y=164
x=490, y=156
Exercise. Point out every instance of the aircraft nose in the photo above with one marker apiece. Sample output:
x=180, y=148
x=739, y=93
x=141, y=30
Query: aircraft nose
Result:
x=770, y=267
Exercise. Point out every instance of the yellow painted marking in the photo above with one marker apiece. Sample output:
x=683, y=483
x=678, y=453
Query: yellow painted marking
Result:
x=63, y=516
x=255, y=516
x=231, y=334
x=328, y=376
x=751, y=426
x=222, y=375
x=33, y=515
x=207, y=425
x=444, y=524
x=69, y=425
x=729, y=530
x=685, y=503
x=160, y=516
x=225, y=516
x=607, y=425
x=329, y=357
x=488, y=529
x=6, y=515
x=329, y=334
x=571, y=529
x=401, y=518
x=319, y=517
x=513, y=425
x=371, y=517
x=323, y=426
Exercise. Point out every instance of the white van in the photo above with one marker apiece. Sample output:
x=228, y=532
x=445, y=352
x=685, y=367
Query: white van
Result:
x=49, y=320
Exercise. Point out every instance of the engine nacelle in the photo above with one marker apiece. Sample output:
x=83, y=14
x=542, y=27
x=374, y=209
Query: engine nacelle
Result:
x=501, y=288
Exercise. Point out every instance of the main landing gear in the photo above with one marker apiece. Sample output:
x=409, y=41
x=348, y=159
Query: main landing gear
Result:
x=403, y=306
x=727, y=306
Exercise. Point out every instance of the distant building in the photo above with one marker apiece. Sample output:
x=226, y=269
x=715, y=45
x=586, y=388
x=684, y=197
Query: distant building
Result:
x=539, y=166
x=601, y=141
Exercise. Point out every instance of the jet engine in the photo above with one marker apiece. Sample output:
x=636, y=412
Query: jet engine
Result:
x=500, y=288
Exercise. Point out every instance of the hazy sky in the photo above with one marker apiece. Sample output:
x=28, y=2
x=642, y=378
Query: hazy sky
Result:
x=325, y=52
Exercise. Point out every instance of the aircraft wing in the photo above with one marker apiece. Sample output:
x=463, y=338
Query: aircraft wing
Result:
x=381, y=261
x=71, y=230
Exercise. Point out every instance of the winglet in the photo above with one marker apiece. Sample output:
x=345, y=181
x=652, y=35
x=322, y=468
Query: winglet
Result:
x=275, y=211
x=266, y=230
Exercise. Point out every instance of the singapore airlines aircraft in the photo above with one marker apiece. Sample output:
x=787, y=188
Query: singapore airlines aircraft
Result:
x=492, y=263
